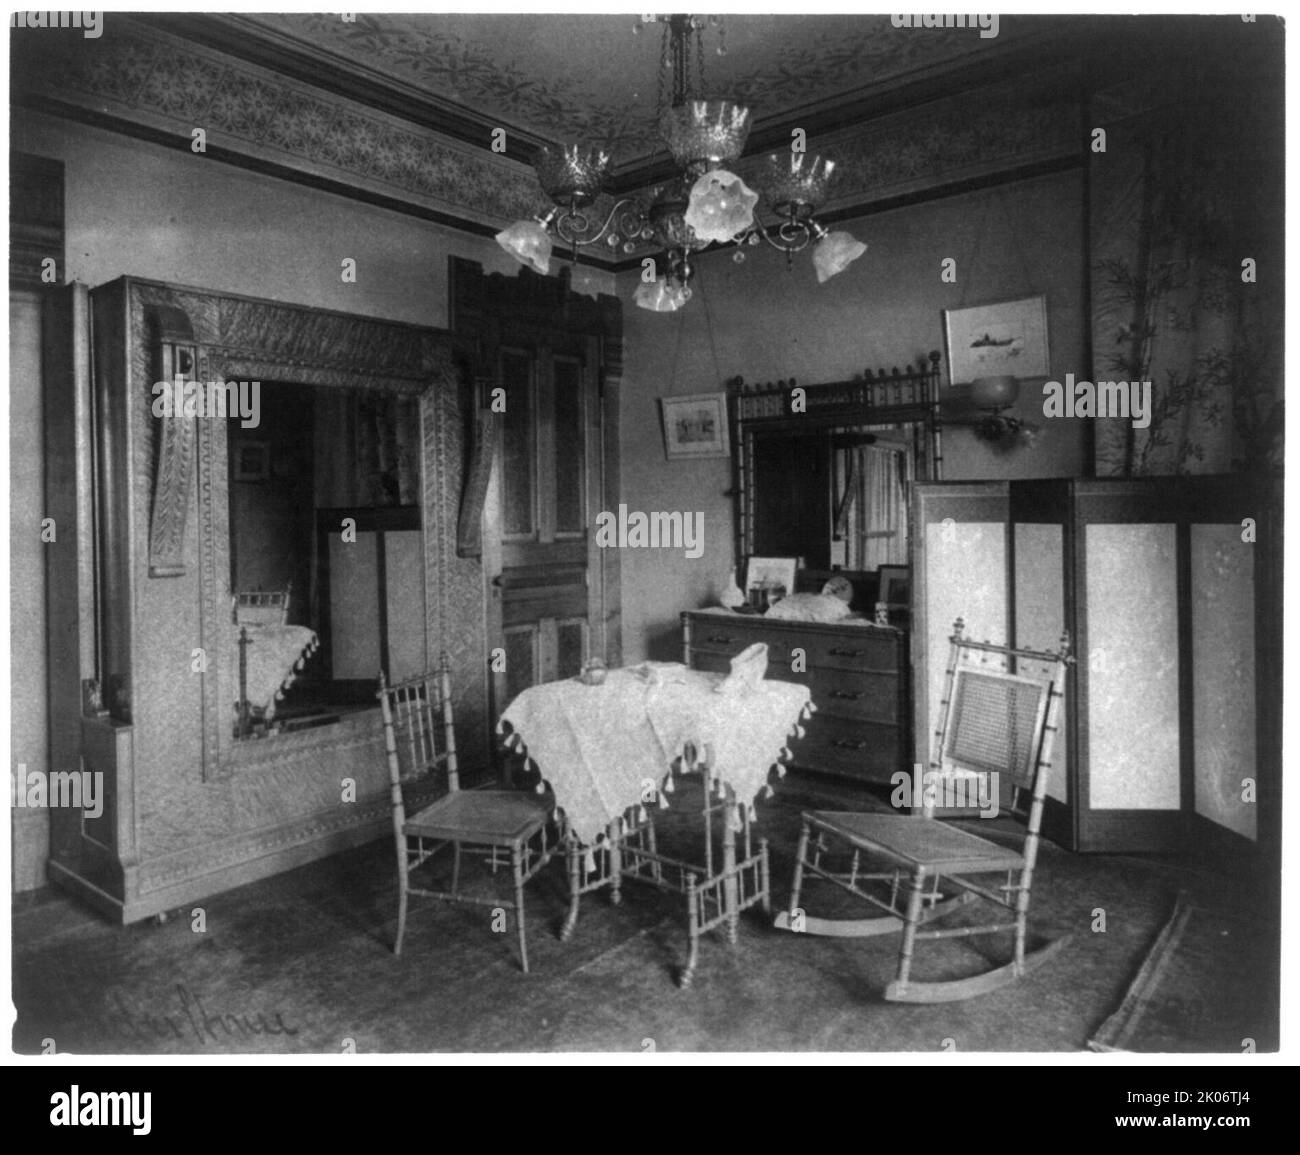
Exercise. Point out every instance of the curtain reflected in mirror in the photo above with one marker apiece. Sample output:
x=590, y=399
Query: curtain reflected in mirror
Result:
x=873, y=478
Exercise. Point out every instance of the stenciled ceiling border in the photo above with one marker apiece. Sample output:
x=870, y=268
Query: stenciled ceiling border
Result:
x=136, y=77
x=156, y=81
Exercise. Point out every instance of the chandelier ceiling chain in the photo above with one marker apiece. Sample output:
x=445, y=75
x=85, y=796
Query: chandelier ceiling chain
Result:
x=704, y=204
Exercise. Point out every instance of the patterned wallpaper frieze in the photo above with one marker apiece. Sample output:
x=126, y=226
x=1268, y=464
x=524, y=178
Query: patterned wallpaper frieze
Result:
x=150, y=78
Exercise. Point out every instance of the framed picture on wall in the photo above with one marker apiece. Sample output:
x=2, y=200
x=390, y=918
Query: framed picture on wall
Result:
x=695, y=425
x=252, y=460
x=1006, y=338
x=895, y=585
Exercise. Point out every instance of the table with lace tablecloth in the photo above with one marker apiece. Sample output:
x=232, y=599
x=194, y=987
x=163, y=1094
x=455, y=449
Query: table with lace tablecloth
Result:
x=609, y=752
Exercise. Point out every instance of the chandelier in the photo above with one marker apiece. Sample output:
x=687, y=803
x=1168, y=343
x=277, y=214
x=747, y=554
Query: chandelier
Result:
x=705, y=203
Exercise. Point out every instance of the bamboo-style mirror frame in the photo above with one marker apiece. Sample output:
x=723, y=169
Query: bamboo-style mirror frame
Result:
x=885, y=397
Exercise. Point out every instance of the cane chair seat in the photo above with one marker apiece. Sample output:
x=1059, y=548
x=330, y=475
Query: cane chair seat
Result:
x=495, y=816
x=913, y=842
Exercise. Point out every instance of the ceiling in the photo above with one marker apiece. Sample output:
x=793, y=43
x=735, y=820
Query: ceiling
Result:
x=401, y=110
x=562, y=78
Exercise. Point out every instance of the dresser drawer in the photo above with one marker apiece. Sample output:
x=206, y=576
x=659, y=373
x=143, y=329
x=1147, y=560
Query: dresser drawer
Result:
x=729, y=637
x=855, y=749
x=860, y=696
x=858, y=648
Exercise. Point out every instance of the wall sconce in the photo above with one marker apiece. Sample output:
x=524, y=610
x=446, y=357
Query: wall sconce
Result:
x=993, y=395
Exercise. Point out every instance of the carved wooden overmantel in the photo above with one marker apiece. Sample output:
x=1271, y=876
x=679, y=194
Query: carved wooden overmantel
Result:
x=191, y=810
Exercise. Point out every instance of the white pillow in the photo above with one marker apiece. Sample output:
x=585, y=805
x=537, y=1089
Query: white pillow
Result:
x=810, y=608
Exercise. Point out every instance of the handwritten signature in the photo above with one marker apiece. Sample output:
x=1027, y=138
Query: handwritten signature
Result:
x=193, y=1021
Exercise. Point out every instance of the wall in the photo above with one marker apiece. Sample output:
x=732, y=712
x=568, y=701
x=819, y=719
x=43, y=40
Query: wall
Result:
x=28, y=740
x=167, y=214
x=764, y=323
x=141, y=209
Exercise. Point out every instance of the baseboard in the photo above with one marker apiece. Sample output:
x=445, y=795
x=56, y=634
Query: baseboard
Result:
x=248, y=858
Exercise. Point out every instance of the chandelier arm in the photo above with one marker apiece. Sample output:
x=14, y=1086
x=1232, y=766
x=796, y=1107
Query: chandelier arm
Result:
x=630, y=223
x=793, y=237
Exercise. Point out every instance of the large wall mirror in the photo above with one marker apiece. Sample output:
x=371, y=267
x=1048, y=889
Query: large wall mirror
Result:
x=824, y=472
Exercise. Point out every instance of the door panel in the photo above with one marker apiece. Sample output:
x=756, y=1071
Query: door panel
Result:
x=556, y=357
x=547, y=439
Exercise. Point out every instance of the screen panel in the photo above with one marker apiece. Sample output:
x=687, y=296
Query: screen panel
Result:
x=1223, y=674
x=404, y=571
x=1040, y=619
x=354, y=609
x=966, y=577
x=1132, y=666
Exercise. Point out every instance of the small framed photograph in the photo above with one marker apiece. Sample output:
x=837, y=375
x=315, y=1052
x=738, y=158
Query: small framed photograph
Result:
x=252, y=460
x=1006, y=338
x=772, y=571
x=895, y=585
x=696, y=425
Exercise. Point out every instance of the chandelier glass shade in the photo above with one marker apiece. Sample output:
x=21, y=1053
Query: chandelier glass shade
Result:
x=572, y=174
x=834, y=253
x=706, y=204
x=795, y=185
x=720, y=207
x=529, y=243
x=662, y=295
x=703, y=134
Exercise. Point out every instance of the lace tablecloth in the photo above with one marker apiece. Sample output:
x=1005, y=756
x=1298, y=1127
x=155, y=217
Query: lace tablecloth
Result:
x=604, y=749
x=275, y=655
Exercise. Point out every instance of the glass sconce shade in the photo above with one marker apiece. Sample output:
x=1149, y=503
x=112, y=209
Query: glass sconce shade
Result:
x=994, y=392
x=572, y=174
x=706, y=132
x=529, y=243
x=834, y=253
x=721, y=206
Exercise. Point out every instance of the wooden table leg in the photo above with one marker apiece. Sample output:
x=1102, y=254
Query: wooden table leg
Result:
x=573, y=861
x=614, y=839
x=517, y=867
x=730, y=891
x=693, y=930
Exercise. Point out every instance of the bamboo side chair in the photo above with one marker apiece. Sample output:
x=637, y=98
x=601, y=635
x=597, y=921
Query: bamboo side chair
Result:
x=995, y=718
x=420, y=741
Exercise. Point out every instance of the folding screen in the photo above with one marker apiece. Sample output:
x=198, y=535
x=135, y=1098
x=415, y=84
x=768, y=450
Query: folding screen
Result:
x=1156, y=581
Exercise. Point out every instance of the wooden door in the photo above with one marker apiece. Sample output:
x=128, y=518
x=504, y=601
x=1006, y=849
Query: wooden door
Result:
x=548, y=364
x=537, y=543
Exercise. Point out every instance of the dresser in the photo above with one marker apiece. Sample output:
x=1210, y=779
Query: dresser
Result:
x=857, y=674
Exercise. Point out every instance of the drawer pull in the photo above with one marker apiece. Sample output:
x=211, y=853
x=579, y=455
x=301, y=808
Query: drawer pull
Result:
x=846, y=744
x=846, y=694
x=839, y=653
x=720, y=639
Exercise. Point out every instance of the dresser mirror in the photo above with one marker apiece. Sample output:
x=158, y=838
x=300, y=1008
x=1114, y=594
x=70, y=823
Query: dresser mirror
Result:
x=824, y=472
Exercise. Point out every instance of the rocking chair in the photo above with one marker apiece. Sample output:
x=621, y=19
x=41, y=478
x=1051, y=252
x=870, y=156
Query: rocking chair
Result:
x=998, y=719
